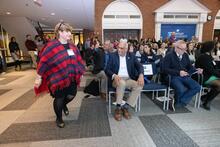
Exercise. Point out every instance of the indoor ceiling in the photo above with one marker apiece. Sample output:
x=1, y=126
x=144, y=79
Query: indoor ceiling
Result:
x=79, y=13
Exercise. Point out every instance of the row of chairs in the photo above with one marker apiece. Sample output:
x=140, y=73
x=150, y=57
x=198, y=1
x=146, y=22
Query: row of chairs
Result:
x=155, y=86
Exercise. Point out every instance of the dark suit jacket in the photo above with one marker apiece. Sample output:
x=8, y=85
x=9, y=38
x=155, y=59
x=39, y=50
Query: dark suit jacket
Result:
x=172, y=65
x=133, y=66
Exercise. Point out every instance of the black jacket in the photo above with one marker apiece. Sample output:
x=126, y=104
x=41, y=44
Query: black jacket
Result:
x=172, y=65
x=206, y=62
x=99, y=60
x=13, y=47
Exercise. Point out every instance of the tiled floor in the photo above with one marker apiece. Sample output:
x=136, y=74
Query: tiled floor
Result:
x=28, y=121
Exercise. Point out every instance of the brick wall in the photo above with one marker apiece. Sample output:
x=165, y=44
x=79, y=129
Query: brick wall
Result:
x=147, y=8
x=214, y=6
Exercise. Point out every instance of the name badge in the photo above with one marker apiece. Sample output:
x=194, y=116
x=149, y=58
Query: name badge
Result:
x=70, y=52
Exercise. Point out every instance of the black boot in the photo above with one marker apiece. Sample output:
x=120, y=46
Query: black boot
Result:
x=65, y=110
x=60, y=123
x=206, y=105
x=206, y=99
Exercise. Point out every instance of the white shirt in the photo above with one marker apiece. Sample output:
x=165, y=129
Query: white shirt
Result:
x=179, y=56
x=123, y=71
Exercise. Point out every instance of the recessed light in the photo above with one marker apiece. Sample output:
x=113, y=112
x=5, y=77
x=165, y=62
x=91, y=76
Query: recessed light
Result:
x=52, y=14
x=8, y=13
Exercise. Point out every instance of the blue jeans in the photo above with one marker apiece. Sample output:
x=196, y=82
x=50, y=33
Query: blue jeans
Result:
x=185, y=88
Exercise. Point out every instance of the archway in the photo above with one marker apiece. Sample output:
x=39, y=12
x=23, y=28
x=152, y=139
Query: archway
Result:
x=217, y=26
x=121, y=18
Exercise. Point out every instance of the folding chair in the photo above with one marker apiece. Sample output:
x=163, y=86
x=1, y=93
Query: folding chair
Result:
x=112, y=91
x=152, y=86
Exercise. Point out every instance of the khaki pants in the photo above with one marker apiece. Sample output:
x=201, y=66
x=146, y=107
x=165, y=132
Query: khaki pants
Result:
x=33, y=58
x=130, y=84
x=101, y=75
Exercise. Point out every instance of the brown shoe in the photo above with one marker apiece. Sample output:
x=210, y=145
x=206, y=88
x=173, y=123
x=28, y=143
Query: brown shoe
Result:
x=118, y=114
x=125, y=113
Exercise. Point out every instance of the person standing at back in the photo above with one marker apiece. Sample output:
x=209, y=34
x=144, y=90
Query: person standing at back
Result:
x=15, y=52
x=32, y=50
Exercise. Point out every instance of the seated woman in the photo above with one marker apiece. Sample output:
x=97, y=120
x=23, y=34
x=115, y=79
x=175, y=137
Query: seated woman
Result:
x=211, y=74
x=148, y=56
x=162, y=50
x=190, y=52
x=139, y=52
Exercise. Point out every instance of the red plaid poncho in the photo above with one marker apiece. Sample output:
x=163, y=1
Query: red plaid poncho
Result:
x=57, y=68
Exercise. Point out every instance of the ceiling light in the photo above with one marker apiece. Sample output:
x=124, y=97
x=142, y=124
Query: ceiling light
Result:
x=38, y=2
x=52, y=14
x=8, y=13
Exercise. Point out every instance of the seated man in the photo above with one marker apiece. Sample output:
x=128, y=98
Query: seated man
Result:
x=177, y=64
x=124, y=71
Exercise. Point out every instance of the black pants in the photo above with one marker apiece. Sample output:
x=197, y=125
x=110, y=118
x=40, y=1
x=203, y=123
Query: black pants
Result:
x=215, y=90
x=62, y=98
x=17, y=63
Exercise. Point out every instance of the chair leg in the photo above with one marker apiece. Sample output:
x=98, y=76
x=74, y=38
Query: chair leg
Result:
x=109, y=103
x=136, y=106
x=165, y=100
x=199, y=98
x=168, y=97
x=196, y=100
x=153, y=95
x=173, y=105
x=139, y=103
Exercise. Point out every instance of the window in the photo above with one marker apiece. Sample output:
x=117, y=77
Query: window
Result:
x=122, y=16
x=168, y=16
x=135, y=16
x=109, y=16
x=180, y=16
x=192, y=16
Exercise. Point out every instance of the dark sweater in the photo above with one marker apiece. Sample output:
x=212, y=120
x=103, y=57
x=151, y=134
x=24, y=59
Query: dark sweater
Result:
x=99, y=59
x=206, y=62
x=13, y=46
x=30, y=45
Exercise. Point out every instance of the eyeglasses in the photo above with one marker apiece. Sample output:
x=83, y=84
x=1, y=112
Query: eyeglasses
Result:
x=182, y=49
x=120, y=48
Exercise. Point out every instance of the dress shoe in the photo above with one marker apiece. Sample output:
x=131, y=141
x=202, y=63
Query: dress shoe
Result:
x=65, y=110
x=60, y=123
x=125, y=113
x=206, y=105
x=118, y=114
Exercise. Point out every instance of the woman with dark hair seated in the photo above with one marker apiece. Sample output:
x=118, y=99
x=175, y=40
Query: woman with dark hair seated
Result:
x=210, y=72
x=148, y=56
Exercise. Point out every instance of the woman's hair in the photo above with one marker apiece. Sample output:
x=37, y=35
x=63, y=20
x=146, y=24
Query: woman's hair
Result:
x=12, y=38
x=62, y=27
x=207, y=46
x=187, y=45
